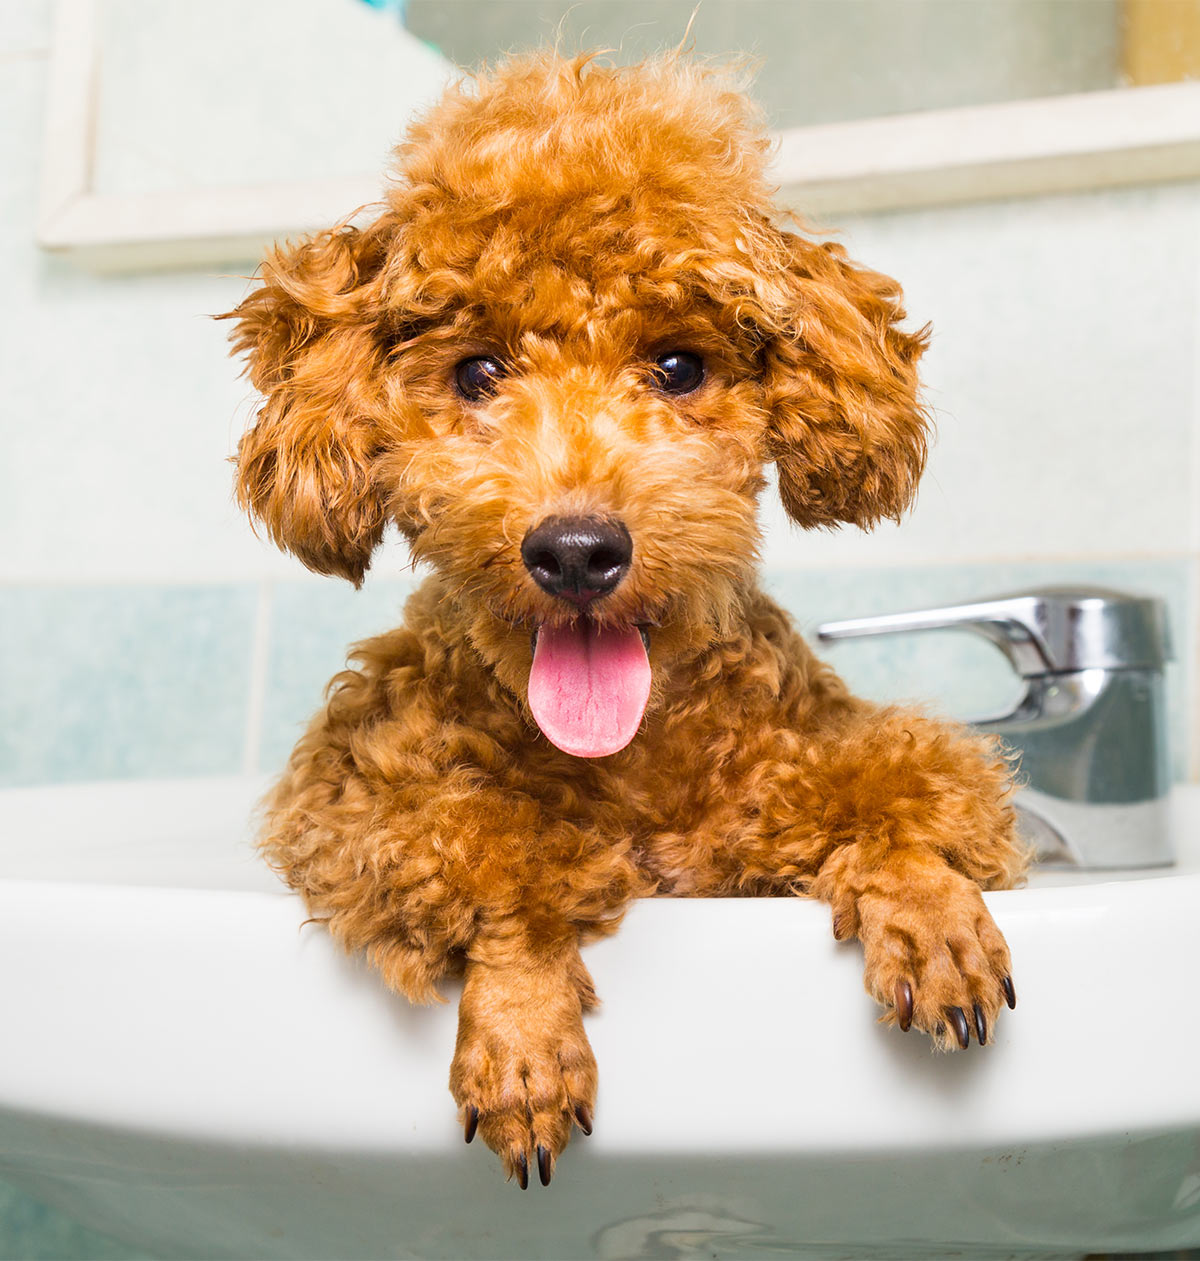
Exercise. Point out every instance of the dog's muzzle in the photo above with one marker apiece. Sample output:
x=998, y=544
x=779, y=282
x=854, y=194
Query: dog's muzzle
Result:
x=588, y=683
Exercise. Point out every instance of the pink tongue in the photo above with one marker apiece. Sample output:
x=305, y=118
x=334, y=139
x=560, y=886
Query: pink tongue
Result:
x=588, y=687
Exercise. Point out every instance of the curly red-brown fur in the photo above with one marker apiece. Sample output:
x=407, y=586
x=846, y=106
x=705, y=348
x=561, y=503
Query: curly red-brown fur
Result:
x=574, y=222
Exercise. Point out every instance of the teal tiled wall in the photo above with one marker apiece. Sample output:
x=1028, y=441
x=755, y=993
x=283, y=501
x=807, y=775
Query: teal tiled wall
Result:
x=152, y=681
x=312, y=625
x=122, y=682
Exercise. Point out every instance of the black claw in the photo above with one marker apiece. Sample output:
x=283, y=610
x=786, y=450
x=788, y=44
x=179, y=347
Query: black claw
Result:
x=904, y=1005
x=1010, y=995
x=958, y=1021
x=472, y=1122
x=583, y=1117
x=523, y=1171
x=543, y=1165
x=980, y=1025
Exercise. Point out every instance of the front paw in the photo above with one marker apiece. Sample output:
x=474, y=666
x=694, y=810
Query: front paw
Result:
x=521, y=1082
x=934, y=958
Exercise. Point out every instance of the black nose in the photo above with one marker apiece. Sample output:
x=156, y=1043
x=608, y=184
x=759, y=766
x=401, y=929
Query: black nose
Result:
x=578, y=558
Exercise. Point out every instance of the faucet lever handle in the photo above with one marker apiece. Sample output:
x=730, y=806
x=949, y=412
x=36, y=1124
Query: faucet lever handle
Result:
x=1007, y=621
x=1050, y=630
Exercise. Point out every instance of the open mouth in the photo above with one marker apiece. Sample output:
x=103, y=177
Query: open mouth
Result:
x=589, y=685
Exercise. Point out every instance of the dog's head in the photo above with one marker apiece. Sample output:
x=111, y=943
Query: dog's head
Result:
x=559, y=361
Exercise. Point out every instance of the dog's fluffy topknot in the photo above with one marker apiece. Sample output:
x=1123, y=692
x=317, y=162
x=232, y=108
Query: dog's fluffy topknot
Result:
x=543, y=127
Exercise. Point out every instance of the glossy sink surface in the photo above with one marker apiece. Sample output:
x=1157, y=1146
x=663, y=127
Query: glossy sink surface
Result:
x=187, y=1066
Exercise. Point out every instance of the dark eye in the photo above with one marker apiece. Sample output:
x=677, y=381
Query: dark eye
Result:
x=679, y=372
x=477, y=378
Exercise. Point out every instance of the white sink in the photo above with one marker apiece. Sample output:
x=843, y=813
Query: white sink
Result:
x=185, y=1066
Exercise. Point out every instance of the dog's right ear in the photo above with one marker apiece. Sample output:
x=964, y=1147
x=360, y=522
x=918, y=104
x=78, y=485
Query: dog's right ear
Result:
x=305, y=469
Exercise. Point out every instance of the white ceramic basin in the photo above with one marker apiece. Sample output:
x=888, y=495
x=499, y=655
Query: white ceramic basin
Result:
x=185, y=1066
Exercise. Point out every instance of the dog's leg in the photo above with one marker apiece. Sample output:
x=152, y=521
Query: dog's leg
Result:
x=421, y=863
x=933, y=955
x=523, y=1071
x=899, y=822
x=922, y=815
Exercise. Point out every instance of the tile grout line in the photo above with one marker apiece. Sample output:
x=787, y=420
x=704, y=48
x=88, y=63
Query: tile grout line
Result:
x=260, y=643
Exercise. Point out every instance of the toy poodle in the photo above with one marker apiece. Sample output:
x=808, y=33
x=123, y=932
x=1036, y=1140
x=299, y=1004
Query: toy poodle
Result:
x=559, y=360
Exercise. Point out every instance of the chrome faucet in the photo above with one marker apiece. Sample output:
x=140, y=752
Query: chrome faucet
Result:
x=1090, y=726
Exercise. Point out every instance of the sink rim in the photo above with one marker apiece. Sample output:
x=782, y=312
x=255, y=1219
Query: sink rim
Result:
x=770, y=963
x=153, y=857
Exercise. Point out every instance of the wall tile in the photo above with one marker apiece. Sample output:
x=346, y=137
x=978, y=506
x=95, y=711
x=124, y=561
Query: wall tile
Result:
x=121, y=405
x=226, y=116
x=1061, y=373
x=312, y=627
x=103, y=682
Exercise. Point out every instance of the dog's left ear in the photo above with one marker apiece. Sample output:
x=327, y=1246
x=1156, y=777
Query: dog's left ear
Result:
x=848, y=434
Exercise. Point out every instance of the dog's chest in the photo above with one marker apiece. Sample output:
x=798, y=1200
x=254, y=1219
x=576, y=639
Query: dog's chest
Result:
x=687, y=824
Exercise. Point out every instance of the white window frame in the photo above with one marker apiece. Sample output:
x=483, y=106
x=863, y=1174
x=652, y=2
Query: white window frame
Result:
x=974, y=153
